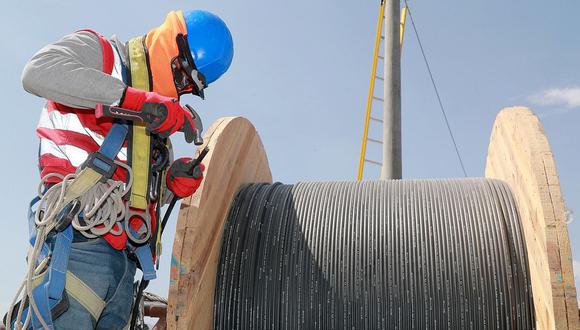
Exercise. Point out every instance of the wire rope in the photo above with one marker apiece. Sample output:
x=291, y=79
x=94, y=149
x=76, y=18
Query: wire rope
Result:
x=443, y=112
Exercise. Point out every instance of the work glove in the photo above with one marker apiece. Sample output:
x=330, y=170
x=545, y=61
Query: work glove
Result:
x=174, y=118
x=181, y=179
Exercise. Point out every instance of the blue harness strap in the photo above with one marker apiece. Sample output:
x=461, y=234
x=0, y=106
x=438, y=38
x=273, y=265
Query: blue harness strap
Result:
x=114, y=140
x=49, y=292
x=145, y=257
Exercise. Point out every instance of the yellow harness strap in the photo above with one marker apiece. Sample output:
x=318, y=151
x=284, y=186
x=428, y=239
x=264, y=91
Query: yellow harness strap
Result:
x=141, y=142
x=84, y=295
x=84, y=181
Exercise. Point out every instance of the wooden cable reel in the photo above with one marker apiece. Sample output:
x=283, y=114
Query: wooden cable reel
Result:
x=519, y=154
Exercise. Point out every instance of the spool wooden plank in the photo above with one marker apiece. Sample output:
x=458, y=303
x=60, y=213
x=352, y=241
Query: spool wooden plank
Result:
x=519, y=154
x=236, y=157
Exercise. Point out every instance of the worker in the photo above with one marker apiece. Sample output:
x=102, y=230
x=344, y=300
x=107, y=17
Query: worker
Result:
x=89, y=283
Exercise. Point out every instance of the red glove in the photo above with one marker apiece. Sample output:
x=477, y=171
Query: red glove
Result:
x=174, y=119
x=182, y=183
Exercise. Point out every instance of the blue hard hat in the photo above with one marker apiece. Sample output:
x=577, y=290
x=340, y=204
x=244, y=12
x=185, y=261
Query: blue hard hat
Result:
x=210, y=43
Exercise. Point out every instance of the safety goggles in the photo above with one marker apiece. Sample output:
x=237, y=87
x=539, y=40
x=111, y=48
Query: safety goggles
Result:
x=186, y=77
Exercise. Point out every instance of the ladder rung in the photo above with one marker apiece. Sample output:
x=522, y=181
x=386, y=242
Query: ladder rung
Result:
x=375, y=140
x=378, y=98
x=377, y=119
x=373, y=162
x=381, y=57
x=380, y=78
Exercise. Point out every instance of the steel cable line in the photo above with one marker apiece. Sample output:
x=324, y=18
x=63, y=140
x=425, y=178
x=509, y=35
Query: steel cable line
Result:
x=436, y=90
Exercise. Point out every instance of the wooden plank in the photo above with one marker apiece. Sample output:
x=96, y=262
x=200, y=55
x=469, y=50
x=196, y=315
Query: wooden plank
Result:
x=519, y=154
x=236, y=157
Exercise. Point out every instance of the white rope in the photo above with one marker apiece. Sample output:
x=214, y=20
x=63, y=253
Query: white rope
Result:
x=103, y=208
x=148, y=296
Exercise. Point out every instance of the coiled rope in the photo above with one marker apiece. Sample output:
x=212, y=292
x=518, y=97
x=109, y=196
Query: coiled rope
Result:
x=102, y=208
x=410, y=254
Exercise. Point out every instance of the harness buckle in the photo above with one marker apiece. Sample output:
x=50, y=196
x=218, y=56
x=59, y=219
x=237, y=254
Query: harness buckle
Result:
x=102, y=164
x=141, y=236
x=67, y=215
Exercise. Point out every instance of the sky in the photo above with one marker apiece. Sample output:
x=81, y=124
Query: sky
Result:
x=300, y=74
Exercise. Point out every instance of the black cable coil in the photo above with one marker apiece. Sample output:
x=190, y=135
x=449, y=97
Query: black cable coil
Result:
x=405, y=254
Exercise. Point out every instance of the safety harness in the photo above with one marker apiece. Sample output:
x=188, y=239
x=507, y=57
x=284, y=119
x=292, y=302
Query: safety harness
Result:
x=49, y=284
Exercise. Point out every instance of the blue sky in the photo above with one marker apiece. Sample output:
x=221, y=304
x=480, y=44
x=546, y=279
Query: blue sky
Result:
x=300, y=74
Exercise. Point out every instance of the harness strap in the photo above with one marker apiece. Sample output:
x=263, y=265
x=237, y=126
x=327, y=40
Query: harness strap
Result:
x=77, y=289
x=140, y=140
x=140, y=154
x=114, y=141
x=144, y=256
x=48, y=293
x=85, y=180
x=84, y=295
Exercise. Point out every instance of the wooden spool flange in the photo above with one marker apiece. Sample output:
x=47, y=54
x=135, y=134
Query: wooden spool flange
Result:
x=236, y=157
x=519, y=154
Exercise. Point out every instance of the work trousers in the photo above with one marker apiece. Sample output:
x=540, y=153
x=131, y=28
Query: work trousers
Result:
x=110, y=274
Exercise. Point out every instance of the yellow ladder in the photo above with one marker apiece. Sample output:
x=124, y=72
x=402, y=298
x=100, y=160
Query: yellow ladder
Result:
x=371, y=96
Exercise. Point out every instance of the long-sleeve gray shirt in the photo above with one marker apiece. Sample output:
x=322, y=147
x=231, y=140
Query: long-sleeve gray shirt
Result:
x=69, y=71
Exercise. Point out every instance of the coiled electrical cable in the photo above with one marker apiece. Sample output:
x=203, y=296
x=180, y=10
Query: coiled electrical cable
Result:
x=405, y=254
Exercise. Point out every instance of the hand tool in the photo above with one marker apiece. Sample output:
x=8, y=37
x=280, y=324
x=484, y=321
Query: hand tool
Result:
x=152, y=113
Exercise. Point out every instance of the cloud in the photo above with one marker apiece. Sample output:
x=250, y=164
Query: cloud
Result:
x=569, y=216
x=567, y=96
